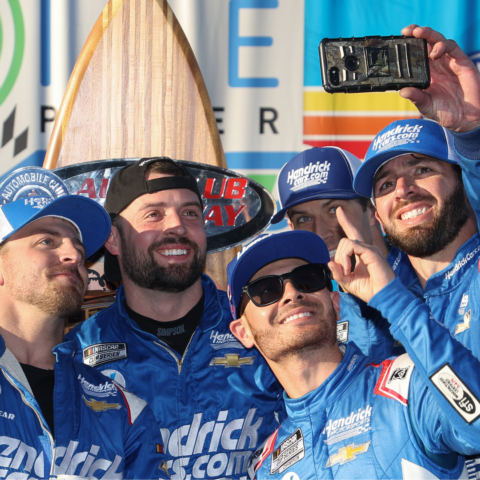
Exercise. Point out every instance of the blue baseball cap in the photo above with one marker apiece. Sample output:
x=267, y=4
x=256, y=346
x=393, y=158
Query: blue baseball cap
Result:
x=90, y=218
x=268, y=248
x=316, y=173
x=399, y=138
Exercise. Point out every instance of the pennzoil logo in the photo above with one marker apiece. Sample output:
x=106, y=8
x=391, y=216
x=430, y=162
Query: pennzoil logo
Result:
x=103, y=406
x=231, y=360
x=347, y=453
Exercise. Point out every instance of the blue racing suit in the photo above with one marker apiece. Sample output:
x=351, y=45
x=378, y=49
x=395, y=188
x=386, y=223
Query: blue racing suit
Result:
x=101, y=429
x=365, y=326
x=401, y=418
x=215, y=405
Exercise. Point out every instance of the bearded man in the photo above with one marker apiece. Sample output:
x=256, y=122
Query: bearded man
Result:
x=424, y=178
x=167, y=336
x=55, y=412
x=349, y=416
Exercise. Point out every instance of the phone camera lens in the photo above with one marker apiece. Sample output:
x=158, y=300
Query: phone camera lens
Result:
x=351, y=63
x=334, y=76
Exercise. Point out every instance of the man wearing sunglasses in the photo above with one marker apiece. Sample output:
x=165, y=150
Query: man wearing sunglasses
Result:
x=313, y=188
x=413, y=416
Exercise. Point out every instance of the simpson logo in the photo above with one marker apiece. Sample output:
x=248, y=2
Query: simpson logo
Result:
x=225, y=340
x=461, y=263
x=342, y=332
x=106, y=389
x=458, y=395
x=312, y=174
x=398, y=383
x=398, y=374
x=290, y=451
x=103, y=353
x=397, y=136
x=346, y=427
x=463, y=304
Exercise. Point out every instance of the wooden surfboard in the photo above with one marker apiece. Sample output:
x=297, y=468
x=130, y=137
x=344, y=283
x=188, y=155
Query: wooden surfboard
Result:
x=137, y=91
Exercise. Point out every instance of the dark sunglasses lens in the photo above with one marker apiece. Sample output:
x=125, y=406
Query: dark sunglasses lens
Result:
x=265, y=290
x=309, y=278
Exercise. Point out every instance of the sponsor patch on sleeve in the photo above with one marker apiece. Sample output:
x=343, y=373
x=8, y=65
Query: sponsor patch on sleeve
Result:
x=288, y=453
x=394, y=381
x=103, y=353
x=260, y=455
x=342, y=332
x=455, y=391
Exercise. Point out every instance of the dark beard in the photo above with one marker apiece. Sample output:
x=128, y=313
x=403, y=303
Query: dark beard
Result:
x=324, y=335
x=426, y=240
x=144, y=271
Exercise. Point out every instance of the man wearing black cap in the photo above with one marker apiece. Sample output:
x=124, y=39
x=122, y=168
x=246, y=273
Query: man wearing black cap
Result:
x=168, y=338
x=58, y=416
x=349, y=416
x=316, y=194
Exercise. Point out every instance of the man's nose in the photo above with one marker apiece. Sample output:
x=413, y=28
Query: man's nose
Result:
x=174, y=224
x=290, y=293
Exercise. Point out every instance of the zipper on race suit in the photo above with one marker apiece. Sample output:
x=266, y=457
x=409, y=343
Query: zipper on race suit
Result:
x=179, y=361
x=39, y=419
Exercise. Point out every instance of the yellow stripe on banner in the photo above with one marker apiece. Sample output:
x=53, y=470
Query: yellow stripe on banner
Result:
x=381, y=101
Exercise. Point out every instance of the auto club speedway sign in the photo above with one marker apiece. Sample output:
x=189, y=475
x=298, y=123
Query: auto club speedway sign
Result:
x=236, y=208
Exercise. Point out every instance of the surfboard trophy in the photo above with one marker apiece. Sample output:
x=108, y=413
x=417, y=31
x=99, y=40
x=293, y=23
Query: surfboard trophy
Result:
x=137, y=91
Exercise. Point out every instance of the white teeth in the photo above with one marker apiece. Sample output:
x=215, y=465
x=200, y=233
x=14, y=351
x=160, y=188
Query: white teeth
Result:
x=300, y=315
x=174, y=252
x=413, y=213
x=332, y=253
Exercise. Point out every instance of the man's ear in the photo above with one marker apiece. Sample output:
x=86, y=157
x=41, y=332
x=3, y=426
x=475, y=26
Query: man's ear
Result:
x=290, y=224
x=335, y=297
x=113, y=241
x=372, y=215
x=377, y=216
x=242, y=332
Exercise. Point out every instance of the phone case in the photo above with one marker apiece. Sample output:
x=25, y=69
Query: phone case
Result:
x=373, y=64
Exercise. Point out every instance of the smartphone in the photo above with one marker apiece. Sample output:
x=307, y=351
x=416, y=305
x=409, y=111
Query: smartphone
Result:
x=373, y=64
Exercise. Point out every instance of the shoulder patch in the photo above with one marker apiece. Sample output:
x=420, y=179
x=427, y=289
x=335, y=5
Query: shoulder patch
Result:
x=342, y=331
x=101, y=353
x=259, y=456
x=394, y=381
x=450, y=385
x=134, y=404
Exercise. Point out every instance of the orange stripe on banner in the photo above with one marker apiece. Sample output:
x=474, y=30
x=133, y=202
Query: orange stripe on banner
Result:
x=345, y=125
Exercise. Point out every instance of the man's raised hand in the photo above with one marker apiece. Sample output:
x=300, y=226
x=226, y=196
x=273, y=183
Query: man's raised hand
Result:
x=453, y=98
x=372, y=272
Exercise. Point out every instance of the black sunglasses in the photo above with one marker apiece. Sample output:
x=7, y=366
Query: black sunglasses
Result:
x=306, y=279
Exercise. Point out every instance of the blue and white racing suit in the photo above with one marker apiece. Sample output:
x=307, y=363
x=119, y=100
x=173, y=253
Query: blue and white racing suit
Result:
x=400, y=418
x=215, y=405
x=101, y=429
x=365, y=326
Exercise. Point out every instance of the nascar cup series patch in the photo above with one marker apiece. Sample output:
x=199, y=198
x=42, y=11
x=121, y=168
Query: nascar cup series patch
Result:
x=103, y=353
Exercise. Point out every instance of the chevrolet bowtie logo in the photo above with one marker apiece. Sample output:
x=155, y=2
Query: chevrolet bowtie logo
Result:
x=232, y=360
x=461, y=327
x=101, y=406
x=348, y=453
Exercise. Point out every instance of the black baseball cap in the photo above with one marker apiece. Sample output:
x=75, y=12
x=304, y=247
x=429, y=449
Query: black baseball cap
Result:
x=128, y=184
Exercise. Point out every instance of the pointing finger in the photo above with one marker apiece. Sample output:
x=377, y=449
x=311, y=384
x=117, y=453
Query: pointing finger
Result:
x=350, y=230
